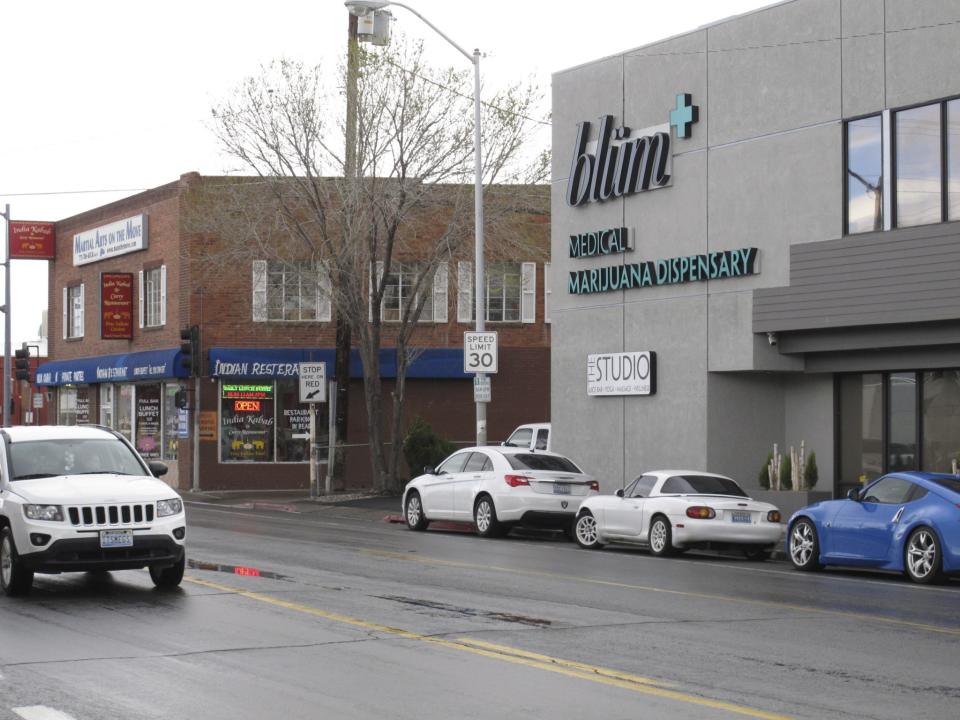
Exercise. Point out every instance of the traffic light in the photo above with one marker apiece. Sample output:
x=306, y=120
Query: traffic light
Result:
x=22, y=363
x=190, y=349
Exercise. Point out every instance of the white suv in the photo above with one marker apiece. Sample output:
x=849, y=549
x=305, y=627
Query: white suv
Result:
x=81, y=498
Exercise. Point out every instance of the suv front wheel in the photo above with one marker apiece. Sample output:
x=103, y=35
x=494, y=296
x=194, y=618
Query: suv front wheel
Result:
x=15, y=579
x=168, y=577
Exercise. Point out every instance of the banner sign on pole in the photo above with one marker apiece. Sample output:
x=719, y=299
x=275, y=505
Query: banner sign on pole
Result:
x=32, y=240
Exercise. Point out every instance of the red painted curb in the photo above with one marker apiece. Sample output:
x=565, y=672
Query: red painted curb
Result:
x=393, y=518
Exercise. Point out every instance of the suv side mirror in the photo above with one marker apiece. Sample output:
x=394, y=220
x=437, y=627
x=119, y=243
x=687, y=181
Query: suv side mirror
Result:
x=157, y=469
x=853, y=494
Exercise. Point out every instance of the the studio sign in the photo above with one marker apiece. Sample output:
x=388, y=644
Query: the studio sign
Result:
x=624, y=165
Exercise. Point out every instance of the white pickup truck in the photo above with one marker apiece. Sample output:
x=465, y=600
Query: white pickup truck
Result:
x=533, y=436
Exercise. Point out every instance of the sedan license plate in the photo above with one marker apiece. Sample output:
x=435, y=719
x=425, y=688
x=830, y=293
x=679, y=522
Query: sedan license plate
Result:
x=561, y=489
x=740, y=516
x=116, y=538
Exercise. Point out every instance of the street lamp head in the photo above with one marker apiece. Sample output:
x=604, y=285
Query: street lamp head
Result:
x=364, y=7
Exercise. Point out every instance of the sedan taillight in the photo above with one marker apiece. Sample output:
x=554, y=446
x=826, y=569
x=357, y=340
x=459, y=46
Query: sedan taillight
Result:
x=773, y=516
x=701, y=512
x=594, y=485
x=516, y=480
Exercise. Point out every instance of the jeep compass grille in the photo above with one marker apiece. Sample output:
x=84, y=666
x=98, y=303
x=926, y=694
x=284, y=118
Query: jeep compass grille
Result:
x=96, y=515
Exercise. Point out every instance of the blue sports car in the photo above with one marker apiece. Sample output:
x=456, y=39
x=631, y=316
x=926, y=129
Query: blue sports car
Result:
x=906, y=521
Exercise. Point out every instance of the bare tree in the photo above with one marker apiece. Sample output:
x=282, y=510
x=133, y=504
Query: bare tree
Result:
x=407, y=210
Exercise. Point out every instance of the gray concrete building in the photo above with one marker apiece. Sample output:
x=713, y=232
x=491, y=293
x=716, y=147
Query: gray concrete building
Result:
x=763, y=213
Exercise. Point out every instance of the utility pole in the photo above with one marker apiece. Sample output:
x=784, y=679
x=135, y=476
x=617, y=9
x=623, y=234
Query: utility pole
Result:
x=337, y=455
x=7, y=349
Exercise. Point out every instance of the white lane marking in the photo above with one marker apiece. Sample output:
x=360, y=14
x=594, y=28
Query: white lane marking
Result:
x=41, y=712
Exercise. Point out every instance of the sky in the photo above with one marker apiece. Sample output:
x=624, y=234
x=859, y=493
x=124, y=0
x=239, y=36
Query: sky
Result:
x=106, y=98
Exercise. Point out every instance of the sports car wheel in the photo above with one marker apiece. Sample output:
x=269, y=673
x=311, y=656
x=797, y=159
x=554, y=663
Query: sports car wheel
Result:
x=804, y=546
x=661, y=537
x=922, y=558
x=586, y=532
x=485, y=518
x=14, y=578
x=413, y=513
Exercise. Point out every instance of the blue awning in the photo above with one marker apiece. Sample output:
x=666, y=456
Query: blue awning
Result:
x=129, y=367
x=435, y=363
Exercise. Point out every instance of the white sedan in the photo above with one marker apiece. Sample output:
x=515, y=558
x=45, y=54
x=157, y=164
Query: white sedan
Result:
x=673, y=510
x=497, y=487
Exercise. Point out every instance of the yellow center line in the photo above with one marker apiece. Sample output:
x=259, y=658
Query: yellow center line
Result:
x=569, y=668
x=940, y=629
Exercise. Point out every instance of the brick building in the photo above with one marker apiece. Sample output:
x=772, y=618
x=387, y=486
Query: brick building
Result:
x=126, y=279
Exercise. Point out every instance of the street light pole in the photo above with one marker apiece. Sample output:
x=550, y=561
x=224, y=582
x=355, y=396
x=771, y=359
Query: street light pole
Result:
x=362, y=7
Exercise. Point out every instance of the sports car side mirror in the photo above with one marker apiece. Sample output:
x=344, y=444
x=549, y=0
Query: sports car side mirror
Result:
x=853, y=494
x=620, y=492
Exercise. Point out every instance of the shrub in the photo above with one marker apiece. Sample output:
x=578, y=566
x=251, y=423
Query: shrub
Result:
x=810, y=472
x=786, y=469
x=764, y=477
x=423, y=447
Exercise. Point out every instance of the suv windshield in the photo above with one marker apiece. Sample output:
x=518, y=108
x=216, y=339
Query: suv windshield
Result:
x=49, y=458
x=523, y=461
x=701, y=485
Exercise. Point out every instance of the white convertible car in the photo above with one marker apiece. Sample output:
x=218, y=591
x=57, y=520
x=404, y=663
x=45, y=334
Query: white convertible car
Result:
x=673, y=510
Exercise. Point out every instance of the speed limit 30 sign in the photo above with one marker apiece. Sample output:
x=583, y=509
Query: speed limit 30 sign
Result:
x=480, y=352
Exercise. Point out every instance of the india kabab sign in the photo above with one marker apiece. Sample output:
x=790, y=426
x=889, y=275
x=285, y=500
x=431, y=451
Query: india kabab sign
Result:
x=631, y=373
x=313, y=382
x=480, y=352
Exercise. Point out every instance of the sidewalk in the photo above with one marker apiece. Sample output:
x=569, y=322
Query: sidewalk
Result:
x=355, y=504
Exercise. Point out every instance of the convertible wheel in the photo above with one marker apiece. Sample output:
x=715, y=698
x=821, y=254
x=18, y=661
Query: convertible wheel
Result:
x=922, y=557
x=416, y=520
x=485, y=518
x=804, y=546
x=168, y=577
x=586, y=532
x=14, y=578
x=661, y=542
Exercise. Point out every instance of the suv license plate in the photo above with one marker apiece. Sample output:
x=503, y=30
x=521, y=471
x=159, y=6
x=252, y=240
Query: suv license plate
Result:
x=561, y=489
x=741, y=517
x=116, y=538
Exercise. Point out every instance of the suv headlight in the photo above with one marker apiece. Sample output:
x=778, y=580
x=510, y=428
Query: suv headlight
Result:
x=173, y=506
x=43, y=512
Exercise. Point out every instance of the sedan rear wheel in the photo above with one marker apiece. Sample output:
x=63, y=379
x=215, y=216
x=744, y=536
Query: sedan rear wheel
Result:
x=586, y=532
x=413, y=512
x=922, y=558
x=14, y=578
x=661, y=537
x=485, y=518
x=804, y=546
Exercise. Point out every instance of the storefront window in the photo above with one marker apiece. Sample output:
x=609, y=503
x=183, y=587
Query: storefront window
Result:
x=123, y=410
x=149, y=440
x=941, y=420
x=106, y=405
x=67, y=405
x=861, y=429
x=918, y=166
x=174, y=422
x=246, y=422
x=293, y=424
x=865, y=175
x=902, y=443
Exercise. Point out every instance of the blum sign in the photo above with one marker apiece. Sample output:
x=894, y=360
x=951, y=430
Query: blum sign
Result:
x=32, y=240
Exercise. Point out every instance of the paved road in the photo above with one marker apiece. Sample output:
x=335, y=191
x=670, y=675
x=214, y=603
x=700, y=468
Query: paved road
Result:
x=336, y=614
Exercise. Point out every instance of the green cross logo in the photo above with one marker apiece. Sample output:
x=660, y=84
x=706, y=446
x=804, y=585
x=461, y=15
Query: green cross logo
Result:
x=684, y=115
